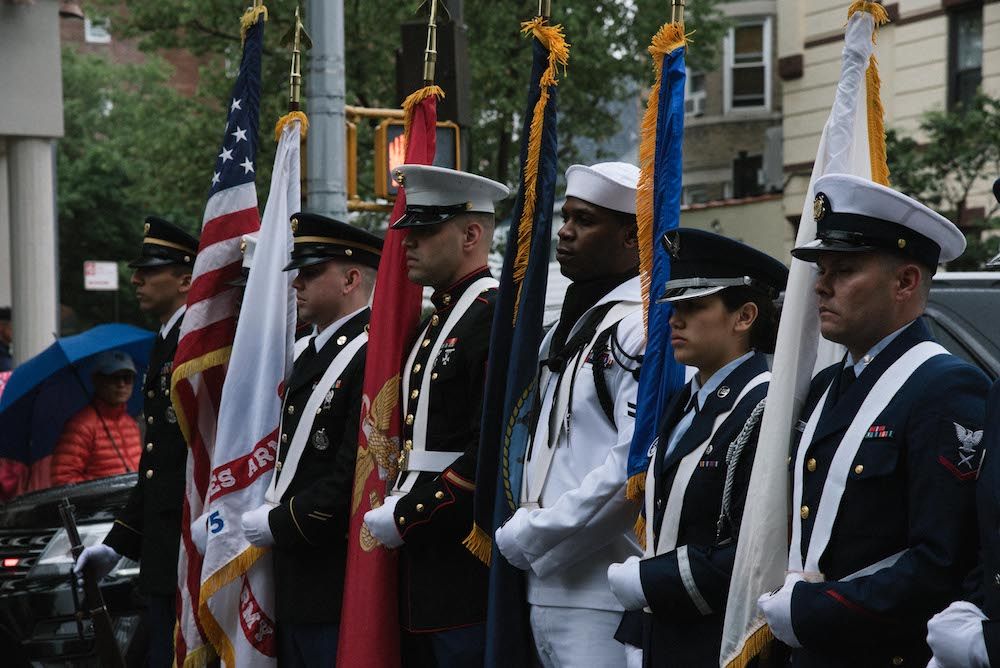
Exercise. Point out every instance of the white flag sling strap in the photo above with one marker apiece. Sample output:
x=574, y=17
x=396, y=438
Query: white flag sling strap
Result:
x=670, y=526
x=558, y=419
x=878, y=399
x=281, y=480
x=420, y=458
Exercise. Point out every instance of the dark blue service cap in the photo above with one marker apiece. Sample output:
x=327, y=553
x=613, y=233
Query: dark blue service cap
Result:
x=164, y=243
x=703, y=263
x=320, y=239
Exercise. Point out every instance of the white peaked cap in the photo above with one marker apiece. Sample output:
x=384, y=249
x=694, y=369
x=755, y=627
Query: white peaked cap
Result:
x=611, y=185
x=427, y=185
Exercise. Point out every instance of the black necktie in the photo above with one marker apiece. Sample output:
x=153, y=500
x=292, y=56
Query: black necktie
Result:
x=847, y=378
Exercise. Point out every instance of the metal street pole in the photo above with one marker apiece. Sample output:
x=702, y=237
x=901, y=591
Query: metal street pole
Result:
x=326, y=163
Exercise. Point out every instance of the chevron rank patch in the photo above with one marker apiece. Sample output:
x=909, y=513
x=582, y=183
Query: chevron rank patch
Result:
x=965, y=462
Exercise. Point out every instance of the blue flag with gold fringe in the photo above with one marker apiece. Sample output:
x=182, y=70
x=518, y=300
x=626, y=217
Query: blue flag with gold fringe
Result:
x=658, y=210
x=514, y=342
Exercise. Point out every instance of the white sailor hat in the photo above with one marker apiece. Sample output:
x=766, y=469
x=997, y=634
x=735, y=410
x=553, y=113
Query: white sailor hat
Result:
x=857, y=215
x=437, y=194
x=610, y=185
x=248, y=245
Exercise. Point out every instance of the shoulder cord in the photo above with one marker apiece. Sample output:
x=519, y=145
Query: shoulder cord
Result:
x=732, y=459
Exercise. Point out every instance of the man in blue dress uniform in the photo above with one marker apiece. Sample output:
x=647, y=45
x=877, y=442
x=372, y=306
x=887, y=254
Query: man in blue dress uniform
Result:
x=883, y=523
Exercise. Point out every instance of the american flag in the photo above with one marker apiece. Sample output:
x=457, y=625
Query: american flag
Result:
x=209, y=325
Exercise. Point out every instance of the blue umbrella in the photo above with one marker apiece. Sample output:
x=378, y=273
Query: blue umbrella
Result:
x=51, y=387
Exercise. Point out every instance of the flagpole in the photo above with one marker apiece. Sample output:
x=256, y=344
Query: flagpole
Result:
x=545, y=8
x=297, y=34
x=677, y=12
x=430, y=53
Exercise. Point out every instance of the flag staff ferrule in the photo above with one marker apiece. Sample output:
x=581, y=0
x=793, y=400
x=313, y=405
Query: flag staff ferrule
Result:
x=299, y=40
x=677, y=11
x=430, y=53
x=545, y=8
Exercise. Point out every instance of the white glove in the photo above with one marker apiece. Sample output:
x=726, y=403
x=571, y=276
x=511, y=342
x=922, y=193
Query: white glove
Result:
x=506, y=539
x=933, y=663
x=626, y=584
x=100, y=559
x=256, y=528
x=199, y=533
x=633, y=657
x=381, y=523
x=955, y=635
x=777, y=609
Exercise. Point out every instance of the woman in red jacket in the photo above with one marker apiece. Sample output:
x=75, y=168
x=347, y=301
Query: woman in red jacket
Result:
x=102, y=439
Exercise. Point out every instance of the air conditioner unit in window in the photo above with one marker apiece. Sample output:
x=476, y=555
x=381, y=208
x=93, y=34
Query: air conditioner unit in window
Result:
x=694, y=106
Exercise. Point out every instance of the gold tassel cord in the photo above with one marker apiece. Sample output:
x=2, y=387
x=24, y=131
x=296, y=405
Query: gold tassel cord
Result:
x=757, y=644
x=669, y=37
x=287, y=119
x=876, y=126
x=635, y=486
x=554, y=40
x=411, y=102
x=250, y=18
x=877, y=11
x=639, y=529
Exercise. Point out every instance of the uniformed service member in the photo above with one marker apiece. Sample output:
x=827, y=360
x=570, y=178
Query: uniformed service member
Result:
x=724, y=324
x=883, y=526
x=148, y=528
x=573, y=519
x=449, y=222
x=318, y=442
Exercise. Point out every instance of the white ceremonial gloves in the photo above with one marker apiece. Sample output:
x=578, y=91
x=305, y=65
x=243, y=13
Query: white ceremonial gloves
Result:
x=256, y=527
x=381, y=523
x=955, y=635
x=626, y=584
x=99, y=558
x=633, y=657
x=199, y=533
x=776, y=607
x=506, y=540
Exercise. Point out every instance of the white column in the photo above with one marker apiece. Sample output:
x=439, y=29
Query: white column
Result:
x=30, y=174
x=4, y=228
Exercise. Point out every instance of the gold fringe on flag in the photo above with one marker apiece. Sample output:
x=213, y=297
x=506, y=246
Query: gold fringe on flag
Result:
x=669, y=37
x=757, y=644
x=478, y=543
x=411, y=102
x=288, y=118
x=232, y=570
x=554, y=40
x=640, y=529
x=250, y=18
x=875, y=9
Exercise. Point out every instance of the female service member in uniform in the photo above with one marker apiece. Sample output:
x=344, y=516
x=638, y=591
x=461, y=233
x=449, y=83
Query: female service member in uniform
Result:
x=724, y=322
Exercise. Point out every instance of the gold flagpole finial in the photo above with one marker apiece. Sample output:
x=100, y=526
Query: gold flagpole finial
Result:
x=545, y=8
x=299, y=40
x=677, y=11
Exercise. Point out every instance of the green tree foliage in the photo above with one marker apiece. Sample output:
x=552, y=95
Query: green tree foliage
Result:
x=958, y=150
x=118, y=162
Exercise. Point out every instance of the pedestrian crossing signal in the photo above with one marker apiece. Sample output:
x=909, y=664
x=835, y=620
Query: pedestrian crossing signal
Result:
x=390, y=152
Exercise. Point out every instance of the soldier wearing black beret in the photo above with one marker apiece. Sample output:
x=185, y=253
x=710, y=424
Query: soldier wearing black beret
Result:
x=148, y=529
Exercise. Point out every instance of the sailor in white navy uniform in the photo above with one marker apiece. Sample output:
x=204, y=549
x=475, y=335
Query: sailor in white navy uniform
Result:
x=306, y=515
x=574, y=518
x=442, y=586
x=883, y=504
x=724, y=324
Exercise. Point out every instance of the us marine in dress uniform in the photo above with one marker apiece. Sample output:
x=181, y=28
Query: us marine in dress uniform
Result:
x=574, y=519
x=148, y=528
x=724, y=324
x=318, y=441
x=883, y=523
x=442, y=586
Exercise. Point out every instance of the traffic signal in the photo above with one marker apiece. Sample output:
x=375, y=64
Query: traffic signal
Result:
x=390, y=152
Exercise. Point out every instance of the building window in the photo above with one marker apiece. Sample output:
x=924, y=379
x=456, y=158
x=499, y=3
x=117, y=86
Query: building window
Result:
x=694, y=93
x=966, y=55
x=747, y=70
x=97, y=30
x=747, y=172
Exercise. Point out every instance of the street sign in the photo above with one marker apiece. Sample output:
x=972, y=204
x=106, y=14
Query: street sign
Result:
x=100, y=275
